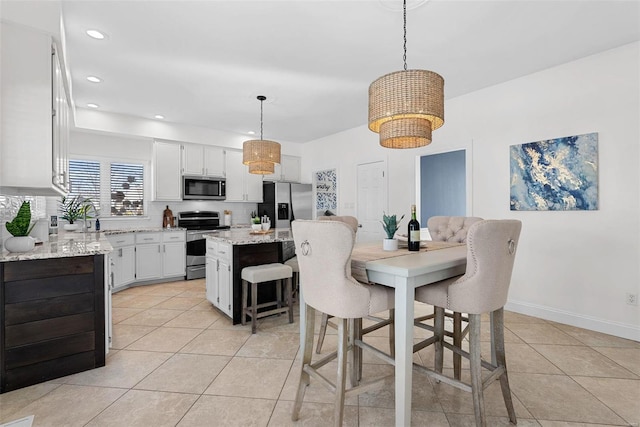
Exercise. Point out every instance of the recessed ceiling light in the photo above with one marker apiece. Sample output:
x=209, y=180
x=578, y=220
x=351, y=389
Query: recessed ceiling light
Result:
x=159, y=116
x=94, y=79
x=251, y=132
x=95, y=34
x=91, y=105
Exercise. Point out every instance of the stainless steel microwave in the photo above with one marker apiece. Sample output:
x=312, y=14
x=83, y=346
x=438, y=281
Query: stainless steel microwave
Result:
x=203, y=188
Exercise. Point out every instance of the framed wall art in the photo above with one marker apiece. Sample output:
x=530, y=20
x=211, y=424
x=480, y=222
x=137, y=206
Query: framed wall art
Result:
x=558, y=174
x=325, y=188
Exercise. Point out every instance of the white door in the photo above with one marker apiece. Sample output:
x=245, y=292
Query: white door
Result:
x=372, y=200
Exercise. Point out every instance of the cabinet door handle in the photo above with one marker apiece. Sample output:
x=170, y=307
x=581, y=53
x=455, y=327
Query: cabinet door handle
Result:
x=159, y=249
x=147, y=238
x=217, y=265
x=120, y=252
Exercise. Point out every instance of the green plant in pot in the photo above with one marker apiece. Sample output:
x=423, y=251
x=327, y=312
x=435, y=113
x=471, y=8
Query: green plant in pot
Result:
x=255, y=221
x=390, y=224
x=20, y=228
x=73, y=209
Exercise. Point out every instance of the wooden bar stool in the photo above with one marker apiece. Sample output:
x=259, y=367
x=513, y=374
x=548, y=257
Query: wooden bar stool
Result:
x=293, y=263
x=257, y=275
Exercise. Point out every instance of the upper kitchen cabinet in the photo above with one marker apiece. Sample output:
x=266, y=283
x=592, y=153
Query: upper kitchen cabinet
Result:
x=167, y=177
x=35, y=120
x=242, y=186
x=202, y=160
x=288, y=170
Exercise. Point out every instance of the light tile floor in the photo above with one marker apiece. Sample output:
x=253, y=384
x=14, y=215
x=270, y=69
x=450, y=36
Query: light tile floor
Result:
x=176, y=361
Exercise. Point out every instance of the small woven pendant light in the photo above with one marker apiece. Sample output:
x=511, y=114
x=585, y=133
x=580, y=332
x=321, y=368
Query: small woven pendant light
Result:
x=259, y=154
x=405, y=106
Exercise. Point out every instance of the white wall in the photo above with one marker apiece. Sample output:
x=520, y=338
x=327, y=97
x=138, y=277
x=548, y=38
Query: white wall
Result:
x=572, y=267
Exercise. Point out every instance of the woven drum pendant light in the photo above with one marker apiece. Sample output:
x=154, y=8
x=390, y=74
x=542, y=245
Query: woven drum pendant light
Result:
x=405, y=106
x=259, y=154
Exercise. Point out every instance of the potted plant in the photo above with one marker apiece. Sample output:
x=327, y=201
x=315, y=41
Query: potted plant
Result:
x=390, y=226
x=74, y=208
x=255, y=222
x=20, y=228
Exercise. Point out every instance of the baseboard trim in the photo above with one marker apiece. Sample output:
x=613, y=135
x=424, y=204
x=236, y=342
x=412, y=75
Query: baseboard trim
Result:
x=622, y=330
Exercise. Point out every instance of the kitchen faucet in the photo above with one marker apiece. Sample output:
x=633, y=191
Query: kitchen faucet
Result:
x=86, y=202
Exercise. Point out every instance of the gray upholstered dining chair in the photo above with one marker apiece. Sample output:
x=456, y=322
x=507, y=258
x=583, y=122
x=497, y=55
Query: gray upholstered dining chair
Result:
x=491, y=250
x=324, y=258
x=450, y=229
x=379, y=322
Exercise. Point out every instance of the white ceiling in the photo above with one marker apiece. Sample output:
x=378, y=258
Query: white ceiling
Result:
x=204, y=62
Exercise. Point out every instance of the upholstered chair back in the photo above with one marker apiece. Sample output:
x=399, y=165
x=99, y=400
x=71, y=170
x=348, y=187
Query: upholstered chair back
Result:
x=323, y=249
x=450, y=228
x=491, y=250
x=351, y=221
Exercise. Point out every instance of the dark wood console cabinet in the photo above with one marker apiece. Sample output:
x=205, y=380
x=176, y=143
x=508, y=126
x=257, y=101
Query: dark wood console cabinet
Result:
x=53, y=319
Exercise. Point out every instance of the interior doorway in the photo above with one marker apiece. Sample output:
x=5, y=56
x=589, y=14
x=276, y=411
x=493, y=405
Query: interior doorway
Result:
x=372, y=200
x=443, y=185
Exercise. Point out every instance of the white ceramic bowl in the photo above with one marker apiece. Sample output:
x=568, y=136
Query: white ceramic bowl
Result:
x=256, y=227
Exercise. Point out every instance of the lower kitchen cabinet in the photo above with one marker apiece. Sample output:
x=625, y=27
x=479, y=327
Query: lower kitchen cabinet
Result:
x=123, y=260
x=140, y=257
x=219, y=281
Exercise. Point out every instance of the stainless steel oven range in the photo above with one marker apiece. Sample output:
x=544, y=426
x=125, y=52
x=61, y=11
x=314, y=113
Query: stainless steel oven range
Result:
x=198, y=223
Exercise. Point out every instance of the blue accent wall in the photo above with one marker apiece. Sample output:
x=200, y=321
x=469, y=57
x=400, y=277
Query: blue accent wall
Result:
x=442, y=185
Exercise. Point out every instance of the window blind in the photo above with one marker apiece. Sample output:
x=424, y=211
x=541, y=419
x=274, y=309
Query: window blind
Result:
x=84, y=176
x=127, y=189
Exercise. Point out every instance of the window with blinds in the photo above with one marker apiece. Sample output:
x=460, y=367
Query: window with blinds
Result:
x=84, y=176
x=119, y=188
x=127, y=189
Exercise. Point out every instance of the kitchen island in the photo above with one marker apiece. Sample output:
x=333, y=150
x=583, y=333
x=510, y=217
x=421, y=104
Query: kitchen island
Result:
x=229, y=251
x=53, y=310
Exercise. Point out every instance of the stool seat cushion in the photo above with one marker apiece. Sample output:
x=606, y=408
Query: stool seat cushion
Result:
x=266, y=272
x=293, y=263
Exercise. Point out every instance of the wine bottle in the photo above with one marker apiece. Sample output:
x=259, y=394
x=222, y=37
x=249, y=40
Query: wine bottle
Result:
x=414, y=231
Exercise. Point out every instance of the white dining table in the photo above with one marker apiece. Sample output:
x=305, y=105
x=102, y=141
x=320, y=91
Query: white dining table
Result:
x=406, y=273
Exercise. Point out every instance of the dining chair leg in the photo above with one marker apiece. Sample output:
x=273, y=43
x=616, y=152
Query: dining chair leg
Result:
x=457, y=341
x=501, y=361
x=342, y=371
x=323, y=332
x=476, y=369
x=438, y=331
x=307, y=352
x=244, y=303
x=356, y=366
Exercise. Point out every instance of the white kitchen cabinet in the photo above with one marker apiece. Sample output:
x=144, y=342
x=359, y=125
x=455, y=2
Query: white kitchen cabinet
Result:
x=167, y=176
x=202, y=160
x=35, y=119
x=174, y=257
x=288, y=170
x=148, y=256
x=242, y=186
x=219, y=279
x=123, y=260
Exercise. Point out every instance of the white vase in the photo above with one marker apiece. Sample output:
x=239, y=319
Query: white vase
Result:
x=70, y=227
x=256, y=227
x=390, y=244
x=20, y=244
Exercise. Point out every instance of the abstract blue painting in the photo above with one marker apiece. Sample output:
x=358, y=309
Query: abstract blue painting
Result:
x=558, y=174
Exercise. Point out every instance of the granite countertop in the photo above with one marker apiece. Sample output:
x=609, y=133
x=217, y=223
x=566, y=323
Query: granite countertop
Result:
x=242, y=236
x=143, y=230
x=64, y=245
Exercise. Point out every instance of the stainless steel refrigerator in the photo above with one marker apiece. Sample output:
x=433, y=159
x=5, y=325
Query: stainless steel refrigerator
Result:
x=285, y=202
